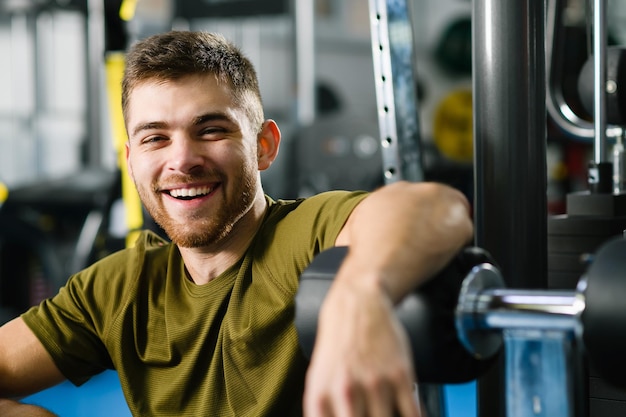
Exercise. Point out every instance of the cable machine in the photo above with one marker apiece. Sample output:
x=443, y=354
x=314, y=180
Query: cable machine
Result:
x=511, y=103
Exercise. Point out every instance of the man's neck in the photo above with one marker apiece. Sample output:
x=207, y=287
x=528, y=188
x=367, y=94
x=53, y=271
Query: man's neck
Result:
x=206, y=263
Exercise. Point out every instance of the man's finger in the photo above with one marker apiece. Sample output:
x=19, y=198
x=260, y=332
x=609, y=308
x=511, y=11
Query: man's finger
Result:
x=349, y=401
x=380, y=402
x=408, y=401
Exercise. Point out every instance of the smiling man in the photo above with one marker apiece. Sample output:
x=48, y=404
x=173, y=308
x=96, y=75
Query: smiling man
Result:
x=194, y=166
x=204, y=324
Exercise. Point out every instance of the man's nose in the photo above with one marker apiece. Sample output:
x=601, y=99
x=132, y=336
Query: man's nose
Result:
x=185, y=154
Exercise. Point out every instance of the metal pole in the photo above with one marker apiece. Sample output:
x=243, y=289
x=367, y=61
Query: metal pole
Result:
x=95, y=65
x=599, y=70
x=304, y=12
x=510, y=137
x=509, y=95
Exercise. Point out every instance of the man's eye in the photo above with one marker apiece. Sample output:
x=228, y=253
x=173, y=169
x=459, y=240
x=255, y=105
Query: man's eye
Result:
x=212, y=131
x=153, y=139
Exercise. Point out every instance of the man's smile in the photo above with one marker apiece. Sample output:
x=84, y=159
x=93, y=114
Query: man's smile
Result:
x=189, y=193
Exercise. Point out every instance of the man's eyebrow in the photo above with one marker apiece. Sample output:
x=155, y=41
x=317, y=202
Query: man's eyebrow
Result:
x=210, y=117
x=148, y=126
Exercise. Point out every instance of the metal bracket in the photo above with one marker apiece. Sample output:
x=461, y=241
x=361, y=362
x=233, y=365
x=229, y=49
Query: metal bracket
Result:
x=396, y=94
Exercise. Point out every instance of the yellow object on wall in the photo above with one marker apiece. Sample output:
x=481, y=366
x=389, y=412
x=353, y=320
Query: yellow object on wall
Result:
x=114, y=64
x=4, y=193
x=453, y=126
x=127, y=10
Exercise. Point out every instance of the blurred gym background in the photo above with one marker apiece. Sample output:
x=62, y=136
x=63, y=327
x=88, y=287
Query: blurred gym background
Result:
x=65, y=200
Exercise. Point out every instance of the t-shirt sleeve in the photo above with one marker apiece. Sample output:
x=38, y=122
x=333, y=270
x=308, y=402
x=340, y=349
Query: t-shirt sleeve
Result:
x=73, y=324
x=322, y=217
x=69, y=333
x=289, y=244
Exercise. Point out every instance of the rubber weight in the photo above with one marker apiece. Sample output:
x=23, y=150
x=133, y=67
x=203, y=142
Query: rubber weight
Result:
x=604, y=317
x=427, y=315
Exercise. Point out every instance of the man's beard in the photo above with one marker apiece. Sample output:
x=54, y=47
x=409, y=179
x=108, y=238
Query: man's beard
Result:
x=203, y=230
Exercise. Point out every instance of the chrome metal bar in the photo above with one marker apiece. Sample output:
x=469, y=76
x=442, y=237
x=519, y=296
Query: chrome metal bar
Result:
x=396, y=95
x=485, y=304
x=599, y=81
x=510, y=309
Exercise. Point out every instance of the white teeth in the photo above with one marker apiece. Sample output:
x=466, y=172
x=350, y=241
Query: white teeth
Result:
x=190, y=192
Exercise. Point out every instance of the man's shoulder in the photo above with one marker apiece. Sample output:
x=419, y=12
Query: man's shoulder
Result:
x=149, y=239
x=149, y=247
x=316, y=201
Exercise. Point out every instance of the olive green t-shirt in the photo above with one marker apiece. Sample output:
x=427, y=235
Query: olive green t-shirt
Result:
x=226, y=348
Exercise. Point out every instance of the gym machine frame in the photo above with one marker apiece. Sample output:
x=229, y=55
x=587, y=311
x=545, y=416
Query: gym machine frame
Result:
x=508, y=54
x=497, y=27
x=460, y=321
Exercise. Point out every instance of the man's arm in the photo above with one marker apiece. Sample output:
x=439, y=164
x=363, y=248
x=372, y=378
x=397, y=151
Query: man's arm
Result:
x=399, y=237
x=10, y=408
x=25, y=368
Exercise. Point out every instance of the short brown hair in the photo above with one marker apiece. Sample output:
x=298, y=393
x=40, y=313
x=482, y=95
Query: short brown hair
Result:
x=172, y=55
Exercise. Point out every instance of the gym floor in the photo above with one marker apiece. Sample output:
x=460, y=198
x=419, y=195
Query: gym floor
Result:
x=102, y=397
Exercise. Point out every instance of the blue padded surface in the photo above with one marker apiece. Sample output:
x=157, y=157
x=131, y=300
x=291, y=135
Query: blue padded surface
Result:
x=102, y=397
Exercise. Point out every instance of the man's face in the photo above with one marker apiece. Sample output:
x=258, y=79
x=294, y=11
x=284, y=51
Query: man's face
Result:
x=193, y=157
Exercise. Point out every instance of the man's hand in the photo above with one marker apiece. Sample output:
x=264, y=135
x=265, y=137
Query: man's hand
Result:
x=361, y=363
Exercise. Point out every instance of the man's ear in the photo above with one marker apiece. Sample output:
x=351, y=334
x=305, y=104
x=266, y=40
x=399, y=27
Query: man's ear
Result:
x=268, y=143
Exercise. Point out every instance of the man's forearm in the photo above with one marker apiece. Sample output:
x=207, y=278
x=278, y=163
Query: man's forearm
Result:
x=404, y=233
x=10, y=408
x=398, y=237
